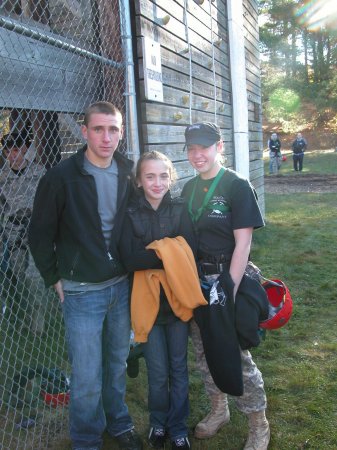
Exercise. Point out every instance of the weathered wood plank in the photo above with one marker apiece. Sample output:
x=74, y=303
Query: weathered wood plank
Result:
x=201, y=22
x=156, y=133
x=250, y=22
x=257, y=178
x=256, y=165
x=181, y=99
x=201, y=49
x=255, y=154
x=176, y=152
x=157, y=113
x=253, y=63
x=253, y=93
x=181, y=65
x=176, y=79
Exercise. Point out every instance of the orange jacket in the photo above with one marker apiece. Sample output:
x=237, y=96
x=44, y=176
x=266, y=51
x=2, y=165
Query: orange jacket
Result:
x=179, y=280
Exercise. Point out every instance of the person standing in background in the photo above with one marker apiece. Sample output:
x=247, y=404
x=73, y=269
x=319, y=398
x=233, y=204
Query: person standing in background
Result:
x=275, y=157
x=19, y=178
x=299, y=146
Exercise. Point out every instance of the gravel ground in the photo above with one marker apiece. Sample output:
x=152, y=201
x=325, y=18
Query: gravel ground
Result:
x=300, y=182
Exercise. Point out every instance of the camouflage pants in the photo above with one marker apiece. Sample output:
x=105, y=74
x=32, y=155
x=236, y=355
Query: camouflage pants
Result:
x=254, y=396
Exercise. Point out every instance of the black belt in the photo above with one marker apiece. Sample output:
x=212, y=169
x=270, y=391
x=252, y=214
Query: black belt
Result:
x=212, y=268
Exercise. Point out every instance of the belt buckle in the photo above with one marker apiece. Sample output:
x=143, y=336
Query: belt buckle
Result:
x=206, y=268
x=220, y=267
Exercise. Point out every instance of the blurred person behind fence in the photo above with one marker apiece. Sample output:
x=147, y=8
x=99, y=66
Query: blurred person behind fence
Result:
x=21, y=282
x=76, y=224
x=275, y=157
x=299, y=146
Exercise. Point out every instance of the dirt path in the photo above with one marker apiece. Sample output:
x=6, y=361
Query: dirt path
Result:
x=299, y=182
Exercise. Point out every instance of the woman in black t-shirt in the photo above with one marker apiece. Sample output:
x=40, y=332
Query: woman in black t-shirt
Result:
x=223, y=206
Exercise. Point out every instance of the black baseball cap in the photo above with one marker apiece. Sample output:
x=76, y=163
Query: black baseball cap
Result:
x=8, y=141
x=202, y=133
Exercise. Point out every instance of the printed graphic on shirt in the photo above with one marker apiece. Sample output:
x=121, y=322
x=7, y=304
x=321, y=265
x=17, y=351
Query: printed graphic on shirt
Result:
x=218, y=206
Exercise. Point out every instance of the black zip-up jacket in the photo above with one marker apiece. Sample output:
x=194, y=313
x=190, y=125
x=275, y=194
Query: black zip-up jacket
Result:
x=65, y=232
x=299, y=146
x=143, y=225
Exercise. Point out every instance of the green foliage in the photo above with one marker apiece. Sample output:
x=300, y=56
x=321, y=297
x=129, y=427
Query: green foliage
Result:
x=299, y=56
x=283, y=107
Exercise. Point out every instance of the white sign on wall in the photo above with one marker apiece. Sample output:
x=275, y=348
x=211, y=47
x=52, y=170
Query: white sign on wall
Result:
x=152, y=70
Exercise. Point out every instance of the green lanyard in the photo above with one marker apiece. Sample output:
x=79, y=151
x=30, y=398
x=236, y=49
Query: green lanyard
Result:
x=195, y=216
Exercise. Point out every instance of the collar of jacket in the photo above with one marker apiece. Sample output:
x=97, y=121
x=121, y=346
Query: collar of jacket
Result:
x=143, y=203
x=124, y=163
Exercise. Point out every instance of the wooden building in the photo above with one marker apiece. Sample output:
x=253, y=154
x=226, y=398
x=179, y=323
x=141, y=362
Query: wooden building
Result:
x=59, y=56
x=199, y=45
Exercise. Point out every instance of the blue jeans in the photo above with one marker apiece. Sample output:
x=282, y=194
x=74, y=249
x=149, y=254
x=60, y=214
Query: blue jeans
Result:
x=166, y=359
x=98, y=335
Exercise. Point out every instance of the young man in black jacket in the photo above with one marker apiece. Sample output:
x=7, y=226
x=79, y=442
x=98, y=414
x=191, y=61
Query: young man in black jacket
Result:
x=73, y=236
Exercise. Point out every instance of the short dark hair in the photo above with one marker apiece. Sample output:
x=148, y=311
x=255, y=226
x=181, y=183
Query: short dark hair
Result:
x=14, y=140
x=100, y=108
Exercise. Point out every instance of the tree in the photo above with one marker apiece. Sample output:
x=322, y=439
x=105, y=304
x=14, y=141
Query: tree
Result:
x=299, y=53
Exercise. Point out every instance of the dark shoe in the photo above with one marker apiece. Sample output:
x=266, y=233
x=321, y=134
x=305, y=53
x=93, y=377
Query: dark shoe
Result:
x=129, y=441
x=157, y=437
x=181, y=443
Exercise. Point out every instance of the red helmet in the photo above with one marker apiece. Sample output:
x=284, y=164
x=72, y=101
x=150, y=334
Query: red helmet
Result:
x=280, y=304
x=284, y=158
x=57, y=399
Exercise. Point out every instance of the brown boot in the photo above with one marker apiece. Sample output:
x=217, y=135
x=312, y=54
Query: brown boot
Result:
x=259, y=432
x=218, y=416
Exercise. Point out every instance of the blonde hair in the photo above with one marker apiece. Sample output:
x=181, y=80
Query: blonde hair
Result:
x=156, y=156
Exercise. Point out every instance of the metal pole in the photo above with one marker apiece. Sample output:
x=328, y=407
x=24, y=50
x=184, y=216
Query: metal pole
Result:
x=130, y=91
x=17, y=27
x=239, y=85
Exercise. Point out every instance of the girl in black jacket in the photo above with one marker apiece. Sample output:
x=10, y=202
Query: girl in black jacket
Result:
x=152, y=215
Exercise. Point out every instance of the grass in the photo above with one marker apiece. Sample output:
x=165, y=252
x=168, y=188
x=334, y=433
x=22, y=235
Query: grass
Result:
x=316, y=162
x=298, y=361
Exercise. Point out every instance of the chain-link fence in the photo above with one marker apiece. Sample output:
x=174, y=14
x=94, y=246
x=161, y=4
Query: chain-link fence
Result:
x=56, y=57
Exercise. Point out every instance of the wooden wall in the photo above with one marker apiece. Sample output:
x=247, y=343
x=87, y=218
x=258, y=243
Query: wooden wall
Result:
x=163, y=123
x=254, y=96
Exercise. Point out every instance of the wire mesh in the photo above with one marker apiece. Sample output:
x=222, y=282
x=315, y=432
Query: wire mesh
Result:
x=56, y=57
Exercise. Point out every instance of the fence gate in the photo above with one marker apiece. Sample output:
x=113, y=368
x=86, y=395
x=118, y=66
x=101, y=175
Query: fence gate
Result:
x=56, y=57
